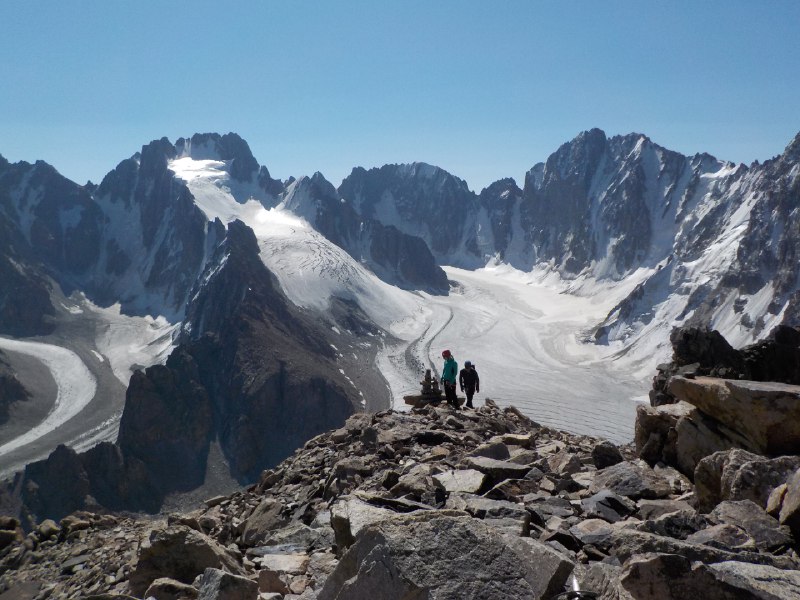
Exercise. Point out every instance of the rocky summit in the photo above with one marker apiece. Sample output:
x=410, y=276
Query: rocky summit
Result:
x=441, y=504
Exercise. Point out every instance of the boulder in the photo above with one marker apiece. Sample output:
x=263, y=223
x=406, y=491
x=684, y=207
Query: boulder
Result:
x=265, y=518
x=743, y=476
x=626, y=543
x=767, y=414
x=350, y=515
x=654, y=431
x=697, y=435
x=431, y=555
x=725, y=537
x=790, y=507
x=608, y=506
x=564, y=462
x=678, y=525
x=219, y=585
x=485, y=508
x=179, y=553
x=296, y=537
x=758, y=581
x=652, y=509
x=418, y=483
x=496, y=469
x=712, y=470
x=633, y=479
x=461, y=480
x=672, y=577
x=278, y=569
x=165, y=588
x=605, y=454
x=775, y=500
x=493, y=449
x=767, y=532
x=593, y=531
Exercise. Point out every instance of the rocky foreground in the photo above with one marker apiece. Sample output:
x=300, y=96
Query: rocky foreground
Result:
x=441, y=504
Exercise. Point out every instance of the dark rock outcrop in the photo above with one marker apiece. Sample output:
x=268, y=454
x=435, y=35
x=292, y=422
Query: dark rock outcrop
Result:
x=242, y=376
x=398, y=257
x=11, y=390
x=701, y=351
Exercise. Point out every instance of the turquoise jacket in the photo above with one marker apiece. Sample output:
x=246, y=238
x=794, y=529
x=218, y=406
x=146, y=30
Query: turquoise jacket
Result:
x=450, y=371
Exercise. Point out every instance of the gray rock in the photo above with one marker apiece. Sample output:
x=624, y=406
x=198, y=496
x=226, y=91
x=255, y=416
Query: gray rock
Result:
x=654, y=431
x=755, y=480
x=678, y=525
x=564, y=462
x=602, y=579
x=264, y=520
x=740, y=475
x=165, y=588
x=219, y=585
x=605, y=454
x=626, y=543
x=296, y=537
x=494, y=449
x=444, y=557
x=725, y=537
x=485, y=508
x=759, y=581
x=417, y=482
x=461, y=480
x=179, y=553
x=350, y=515
x=672, y=577
x=593, y=531
x=634, y=479
x=775, y=500
x=608, y=506
x=790, y=507
x=712, y=470
x=652, y=509
x=764, y=529
x=497, y=469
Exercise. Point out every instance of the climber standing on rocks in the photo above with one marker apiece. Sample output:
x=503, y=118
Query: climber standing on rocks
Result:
x=449, y=373
x=469, y=381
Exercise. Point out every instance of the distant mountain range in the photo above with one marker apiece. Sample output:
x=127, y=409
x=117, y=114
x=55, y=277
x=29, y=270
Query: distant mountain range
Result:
x=256, y=273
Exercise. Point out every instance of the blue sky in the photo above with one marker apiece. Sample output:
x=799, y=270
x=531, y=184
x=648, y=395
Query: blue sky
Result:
x=482, y=89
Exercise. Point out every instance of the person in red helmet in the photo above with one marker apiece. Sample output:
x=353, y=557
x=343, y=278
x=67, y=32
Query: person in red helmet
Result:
x=449, y=374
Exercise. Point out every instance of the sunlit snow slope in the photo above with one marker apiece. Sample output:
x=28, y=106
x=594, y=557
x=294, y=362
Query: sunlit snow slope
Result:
x=522, y=333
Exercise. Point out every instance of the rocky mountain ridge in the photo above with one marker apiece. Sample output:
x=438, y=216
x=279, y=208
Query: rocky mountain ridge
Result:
x=441, y=504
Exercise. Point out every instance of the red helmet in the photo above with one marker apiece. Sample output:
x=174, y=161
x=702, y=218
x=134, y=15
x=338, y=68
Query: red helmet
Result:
x=446, y=353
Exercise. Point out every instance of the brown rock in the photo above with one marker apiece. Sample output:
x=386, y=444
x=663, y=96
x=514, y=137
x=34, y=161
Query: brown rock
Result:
x=767, y=414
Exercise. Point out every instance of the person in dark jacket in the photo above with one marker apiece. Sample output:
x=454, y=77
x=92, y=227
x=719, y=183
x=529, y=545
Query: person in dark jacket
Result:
x=469, y=381
x=449, y=378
